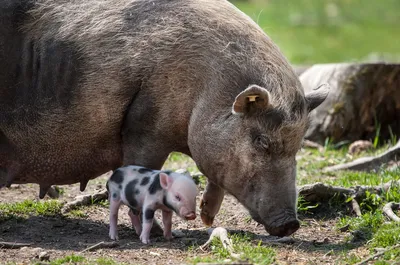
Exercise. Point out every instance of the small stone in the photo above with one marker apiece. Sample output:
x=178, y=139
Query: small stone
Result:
x=24, y=249
x=44, y=256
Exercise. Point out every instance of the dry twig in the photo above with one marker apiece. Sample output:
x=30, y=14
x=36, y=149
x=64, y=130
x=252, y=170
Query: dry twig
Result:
x=13, y=245
x=101, y=244
x=388, y=210
x=85, y=200
x=377, y=255
x=222, y=234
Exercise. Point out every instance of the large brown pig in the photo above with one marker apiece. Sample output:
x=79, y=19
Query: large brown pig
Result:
x=89, y=86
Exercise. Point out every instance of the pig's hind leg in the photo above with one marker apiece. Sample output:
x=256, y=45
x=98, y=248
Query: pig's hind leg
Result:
x=167, y=221
x=134, y=215
x=115, y=203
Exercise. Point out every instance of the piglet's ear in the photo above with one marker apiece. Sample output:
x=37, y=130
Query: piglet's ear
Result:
x=166, y=181
x=251, y=99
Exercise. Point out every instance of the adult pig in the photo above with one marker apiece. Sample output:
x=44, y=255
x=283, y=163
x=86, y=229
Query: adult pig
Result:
x=89, y=86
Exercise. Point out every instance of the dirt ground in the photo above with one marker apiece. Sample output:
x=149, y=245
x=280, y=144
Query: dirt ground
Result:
x=317, y=241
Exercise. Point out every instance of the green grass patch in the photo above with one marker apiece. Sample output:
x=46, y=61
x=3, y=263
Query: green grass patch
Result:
x=29, y=207
x=243, y=244
x=76, y=259
x=314, y=31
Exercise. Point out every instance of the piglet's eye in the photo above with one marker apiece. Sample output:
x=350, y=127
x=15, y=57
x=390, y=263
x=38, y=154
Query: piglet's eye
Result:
x=177, y=197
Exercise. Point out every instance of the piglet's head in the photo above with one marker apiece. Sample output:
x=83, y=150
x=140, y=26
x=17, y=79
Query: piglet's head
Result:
x=180, y=194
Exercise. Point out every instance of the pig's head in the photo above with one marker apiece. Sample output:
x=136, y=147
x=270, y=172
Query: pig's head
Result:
x=249, y=150
x=180, y=194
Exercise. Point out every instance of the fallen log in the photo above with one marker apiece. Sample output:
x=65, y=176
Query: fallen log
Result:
x=363, y=98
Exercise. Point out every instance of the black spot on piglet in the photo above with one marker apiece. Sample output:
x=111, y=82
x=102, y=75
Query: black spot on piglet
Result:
x=155, y=185
x=145, y=181
x=149, y=214
x=130, y=193
x=117, y=176
x=144, y=170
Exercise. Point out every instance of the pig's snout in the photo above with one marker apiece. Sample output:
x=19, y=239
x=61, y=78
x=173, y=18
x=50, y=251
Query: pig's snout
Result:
x=190, y=216
x=285, y=229
x=284, y=226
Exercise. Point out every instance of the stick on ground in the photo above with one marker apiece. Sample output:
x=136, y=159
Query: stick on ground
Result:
x=85, y=200
x=388, y=210
x=14, y=245
x=377, y=255
x=101, y=244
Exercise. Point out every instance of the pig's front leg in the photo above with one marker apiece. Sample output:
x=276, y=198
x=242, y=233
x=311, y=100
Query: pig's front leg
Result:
x=135, y=220
x=167, y=221
x=114, y=207
x=211, y=203
x=148, y=217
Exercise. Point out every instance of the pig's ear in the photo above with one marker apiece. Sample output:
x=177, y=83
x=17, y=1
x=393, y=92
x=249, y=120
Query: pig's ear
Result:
x=252, y=98
x=316, y=97
x=165, y=181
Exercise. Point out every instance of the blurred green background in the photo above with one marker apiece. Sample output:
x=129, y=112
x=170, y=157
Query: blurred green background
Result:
x=324, y=31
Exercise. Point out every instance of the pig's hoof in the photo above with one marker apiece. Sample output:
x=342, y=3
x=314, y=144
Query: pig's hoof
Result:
x=168, y=236
x=113, y=236
x=145, y=240
x=206, y=219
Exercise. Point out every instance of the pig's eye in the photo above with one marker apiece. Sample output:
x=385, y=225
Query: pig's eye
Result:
x=178, y=198
x=261, y=142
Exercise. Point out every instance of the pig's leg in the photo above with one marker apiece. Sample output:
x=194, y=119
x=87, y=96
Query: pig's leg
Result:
x=135, y=222
x=211, y=203
x=114, y=207
x=167, y=221
x=148, y=217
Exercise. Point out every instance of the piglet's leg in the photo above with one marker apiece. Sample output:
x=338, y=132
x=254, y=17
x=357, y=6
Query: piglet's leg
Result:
x=211, y=203
x=114, y=207
x=167, y=221
x=148, y=217
x=135, y=222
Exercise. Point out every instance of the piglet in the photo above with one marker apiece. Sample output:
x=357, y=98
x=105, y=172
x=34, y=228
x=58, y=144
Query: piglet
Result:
x=144, y=191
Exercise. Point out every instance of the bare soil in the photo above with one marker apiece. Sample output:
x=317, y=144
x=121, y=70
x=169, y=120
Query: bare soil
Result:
x=316, y=242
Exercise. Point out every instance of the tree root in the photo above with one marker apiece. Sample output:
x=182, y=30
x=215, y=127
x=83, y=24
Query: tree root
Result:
x=84, y=200
x=388, y=210
x=369, y=163
x=13, y=245
x=101, y=244
x=319, y=192
x=365, y=261
x=222, y=234
x=356, y=207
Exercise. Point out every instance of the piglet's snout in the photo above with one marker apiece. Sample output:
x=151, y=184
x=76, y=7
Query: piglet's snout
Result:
x=190, y=216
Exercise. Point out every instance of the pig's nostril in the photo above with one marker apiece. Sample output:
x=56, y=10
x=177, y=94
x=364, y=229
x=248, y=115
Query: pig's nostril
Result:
x=286, y=229
x=190, y=216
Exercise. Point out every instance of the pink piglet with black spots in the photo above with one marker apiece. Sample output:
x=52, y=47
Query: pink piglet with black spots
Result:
x=144, y=191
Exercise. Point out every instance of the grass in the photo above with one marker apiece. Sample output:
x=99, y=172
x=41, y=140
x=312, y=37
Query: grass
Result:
x=76, y=259
x=29, y=207
x=314, y=31
x=249, y=251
